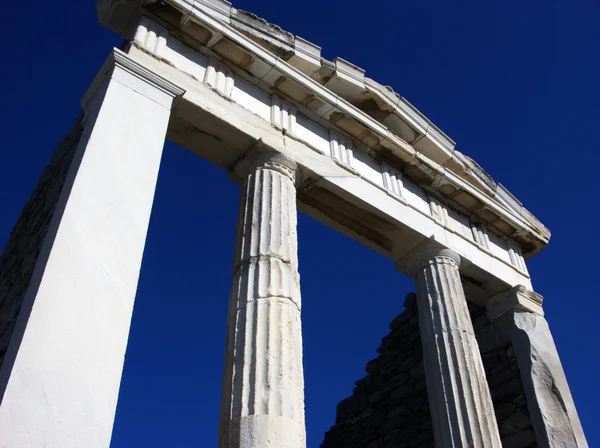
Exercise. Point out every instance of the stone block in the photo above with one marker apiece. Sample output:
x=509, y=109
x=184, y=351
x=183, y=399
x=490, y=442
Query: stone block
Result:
x=514, y=423
x=517, y=298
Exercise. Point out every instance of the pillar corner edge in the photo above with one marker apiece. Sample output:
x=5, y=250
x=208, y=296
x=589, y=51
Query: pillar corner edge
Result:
x=119, y=60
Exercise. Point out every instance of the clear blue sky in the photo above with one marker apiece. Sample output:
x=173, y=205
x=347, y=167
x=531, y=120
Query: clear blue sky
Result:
x=514, y=83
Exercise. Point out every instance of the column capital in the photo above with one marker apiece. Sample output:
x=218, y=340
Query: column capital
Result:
x=517, y=298
x=429, y=252
x=262, y=156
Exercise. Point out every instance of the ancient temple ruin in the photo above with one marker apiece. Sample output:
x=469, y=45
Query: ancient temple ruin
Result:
x=470, y=363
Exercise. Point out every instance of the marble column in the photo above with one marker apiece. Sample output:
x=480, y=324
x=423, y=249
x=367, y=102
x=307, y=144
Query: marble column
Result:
x=461, y=405
x=263, y=384
x=60, y=378
x=519, y=315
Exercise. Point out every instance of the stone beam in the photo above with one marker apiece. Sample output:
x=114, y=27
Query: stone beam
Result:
x=517, y=298
x=339, y=93
x=221, y=124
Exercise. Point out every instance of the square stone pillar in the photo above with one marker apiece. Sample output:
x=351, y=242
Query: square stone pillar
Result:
x=59, y=380
x=518, y=313
x=263, y=383
x=461, y=406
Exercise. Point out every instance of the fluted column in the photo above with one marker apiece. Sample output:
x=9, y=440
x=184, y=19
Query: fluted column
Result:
x=263, y=384
x=459, y=396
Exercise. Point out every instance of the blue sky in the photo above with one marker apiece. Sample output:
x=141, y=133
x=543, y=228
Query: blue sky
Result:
x=514, y=83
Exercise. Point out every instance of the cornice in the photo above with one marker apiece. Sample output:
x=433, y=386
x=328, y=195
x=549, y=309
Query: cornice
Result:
x=442, y=165
x=518, y=298
x=118, y=59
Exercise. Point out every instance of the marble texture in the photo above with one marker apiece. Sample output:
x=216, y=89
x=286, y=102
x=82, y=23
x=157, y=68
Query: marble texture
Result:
x=263, y=383
x=518, y=314
x=459, y=396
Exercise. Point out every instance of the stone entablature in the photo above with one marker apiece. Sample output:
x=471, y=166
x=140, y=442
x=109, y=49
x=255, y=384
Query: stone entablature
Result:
x=337, y=93
x=386, y=186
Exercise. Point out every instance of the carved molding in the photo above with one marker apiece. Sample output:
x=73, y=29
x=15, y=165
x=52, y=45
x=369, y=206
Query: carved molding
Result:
x=340, y=149
x=392, y=180
x=283, y=115
x=151, y=37
x=438, y=211
x=516, y=257
x=480, y=236
x=219, y=77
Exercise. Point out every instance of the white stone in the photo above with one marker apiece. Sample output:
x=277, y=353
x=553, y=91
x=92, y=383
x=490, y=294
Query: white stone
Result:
x=67, y=355
x=459, y=396
x=283, y=114
x=151, y=37
x=439, y=212
x=307, y=56
x=341, y=149
x=517, y=298
x=549, y=400
x=219, y=77
x=263, y=384
x=480, y=235
x=392, y=180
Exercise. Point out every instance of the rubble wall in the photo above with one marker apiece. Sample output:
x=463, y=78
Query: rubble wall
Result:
x=389, y=408
x=22, y=250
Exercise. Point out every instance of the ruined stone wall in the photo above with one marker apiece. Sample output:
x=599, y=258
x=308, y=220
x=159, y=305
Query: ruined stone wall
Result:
x=389, y=408
x=21, y=252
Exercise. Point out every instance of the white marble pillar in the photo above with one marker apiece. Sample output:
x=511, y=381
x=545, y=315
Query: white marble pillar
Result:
x=519, y=315
x=460, y=402
x=61, y=375
x=263, y=384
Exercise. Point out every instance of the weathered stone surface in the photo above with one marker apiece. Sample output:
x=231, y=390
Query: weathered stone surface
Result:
x=263, y=383
x=402, y=391
x=551, y=406
x=504, y=379
x=459, y=397
x=518, y=298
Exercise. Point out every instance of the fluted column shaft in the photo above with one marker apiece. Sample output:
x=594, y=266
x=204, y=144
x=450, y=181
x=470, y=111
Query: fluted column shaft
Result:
x=459, y=396
x=263, y=384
